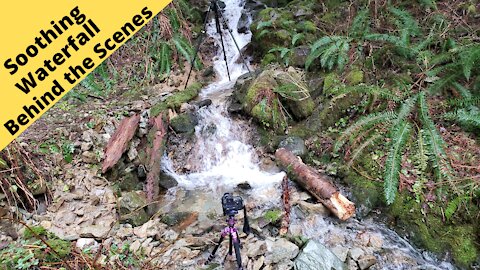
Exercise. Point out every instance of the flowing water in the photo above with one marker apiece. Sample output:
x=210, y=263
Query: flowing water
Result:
x=223, y=159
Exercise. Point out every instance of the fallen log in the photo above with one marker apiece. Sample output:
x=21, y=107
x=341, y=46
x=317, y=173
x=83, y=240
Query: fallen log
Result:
x=155, y=153
x=119, y=141
x=319, y=185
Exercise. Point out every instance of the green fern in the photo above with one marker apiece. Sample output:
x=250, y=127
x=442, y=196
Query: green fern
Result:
x=434, y=142
x=369, y=89
x=332, y=50
x=360, y=25
x=362, y=124
x=399, y=136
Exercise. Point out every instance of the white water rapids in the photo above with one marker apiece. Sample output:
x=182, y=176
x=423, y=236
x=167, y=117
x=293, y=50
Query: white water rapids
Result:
x=224, y=159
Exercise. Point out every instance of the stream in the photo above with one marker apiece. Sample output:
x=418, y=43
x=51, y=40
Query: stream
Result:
x=223, y=159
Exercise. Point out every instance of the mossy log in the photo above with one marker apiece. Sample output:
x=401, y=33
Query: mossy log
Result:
x=319, y=185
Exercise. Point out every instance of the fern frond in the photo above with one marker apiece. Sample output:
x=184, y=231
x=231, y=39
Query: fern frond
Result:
x=371, y=90
x=261, y=25
x=399, y=137
x=469, y=58
x=404, y=20
x=463, y=90
x=421, y=155
x=360, y=25
x=358, y=150
x=435, y=143
x=469, y=119
x=165, y=58
x=362, y=124
x=297, y=37
x=406, y=108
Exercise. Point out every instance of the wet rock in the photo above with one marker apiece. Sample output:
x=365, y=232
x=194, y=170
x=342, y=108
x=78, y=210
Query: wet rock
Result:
x=341, y=252
x=243, y=22
x=375, y=241
x=204, y=103
x=234, y=108
x=141, y=172
x=125, y=231
x=173, y=219
x=130, y=208
x=314, y=208
x=167, y=181
x=241, y=86
x=184, y=123
x=209, y=71
x=85, y=146
x=315, y=256
x=315, y=83
x=280, y=250
x=294, y=144
x=366, y=261
x=244, y=185
x=356, y=252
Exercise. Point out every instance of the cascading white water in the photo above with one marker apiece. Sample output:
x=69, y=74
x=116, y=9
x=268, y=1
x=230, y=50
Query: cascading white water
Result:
x=221, y=154
x=223, y=159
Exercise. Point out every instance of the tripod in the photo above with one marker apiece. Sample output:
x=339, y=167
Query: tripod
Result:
x=214, y=7
x=234, y=241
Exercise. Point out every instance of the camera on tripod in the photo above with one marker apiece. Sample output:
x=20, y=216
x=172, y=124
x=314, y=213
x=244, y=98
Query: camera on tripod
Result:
x=231, y=204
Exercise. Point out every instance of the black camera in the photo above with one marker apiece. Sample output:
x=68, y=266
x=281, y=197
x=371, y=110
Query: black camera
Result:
x=231, y=204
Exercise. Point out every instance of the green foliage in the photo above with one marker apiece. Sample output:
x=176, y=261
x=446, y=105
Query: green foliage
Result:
x=398, y=136
x=273, y=215
x=17, y=256
x=332, y=51
x=360, y=25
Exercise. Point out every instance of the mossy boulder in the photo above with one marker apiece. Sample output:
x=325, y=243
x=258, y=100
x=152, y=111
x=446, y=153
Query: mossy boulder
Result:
x=431, y=232
x=175, y=100
x=131, y=208
x=184, y=123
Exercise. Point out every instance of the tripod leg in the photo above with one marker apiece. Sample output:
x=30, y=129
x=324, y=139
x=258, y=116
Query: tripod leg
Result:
x=197, y=48
x=234, y=41
x=219, y=30
x=212, y=255
x=230, y=245
x=236, y=245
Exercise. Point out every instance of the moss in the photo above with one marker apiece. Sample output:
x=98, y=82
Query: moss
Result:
x=177, y=99
x=330, y=81
x=307, y=26
x=184, y=123
x=430, y=232
x=62, y=247
x=37, y=230
x=268, y=59
x=273, y=215
x=367, y=194
x=354, y=77
x=301, y=131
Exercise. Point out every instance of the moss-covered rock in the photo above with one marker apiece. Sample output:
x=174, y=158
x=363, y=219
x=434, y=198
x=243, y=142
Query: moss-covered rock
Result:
x=131, y=208
x=354, y=77
x=431, y=232
x=184, y=123
x=176, y=99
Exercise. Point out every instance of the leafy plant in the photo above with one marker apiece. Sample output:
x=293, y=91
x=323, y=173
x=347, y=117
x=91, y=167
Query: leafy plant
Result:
x=332, y=51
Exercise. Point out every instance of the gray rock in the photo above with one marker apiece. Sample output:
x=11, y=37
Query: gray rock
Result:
x=130, y=208
x=294, y=144
x=149, y=229
x=242, y=26
x=89, y=157
x=280, y=250
x=235, y=108
x=83, y=243
x=209, y=71
x=256, y=249
x=204, y=103
x=366, y=261
x=315, y=256
x=299, y=56
x=166, y=181
x=184, y=123
x=96, y=231
x=341, y=252
x=356, y=252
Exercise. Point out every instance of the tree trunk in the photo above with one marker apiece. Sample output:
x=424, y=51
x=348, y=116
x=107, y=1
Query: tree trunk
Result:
x=319, y=185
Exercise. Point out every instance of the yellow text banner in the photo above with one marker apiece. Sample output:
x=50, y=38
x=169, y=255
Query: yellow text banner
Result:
x=50, y=46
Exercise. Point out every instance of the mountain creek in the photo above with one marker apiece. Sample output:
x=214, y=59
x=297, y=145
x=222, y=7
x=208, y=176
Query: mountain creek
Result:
x=214, y=137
